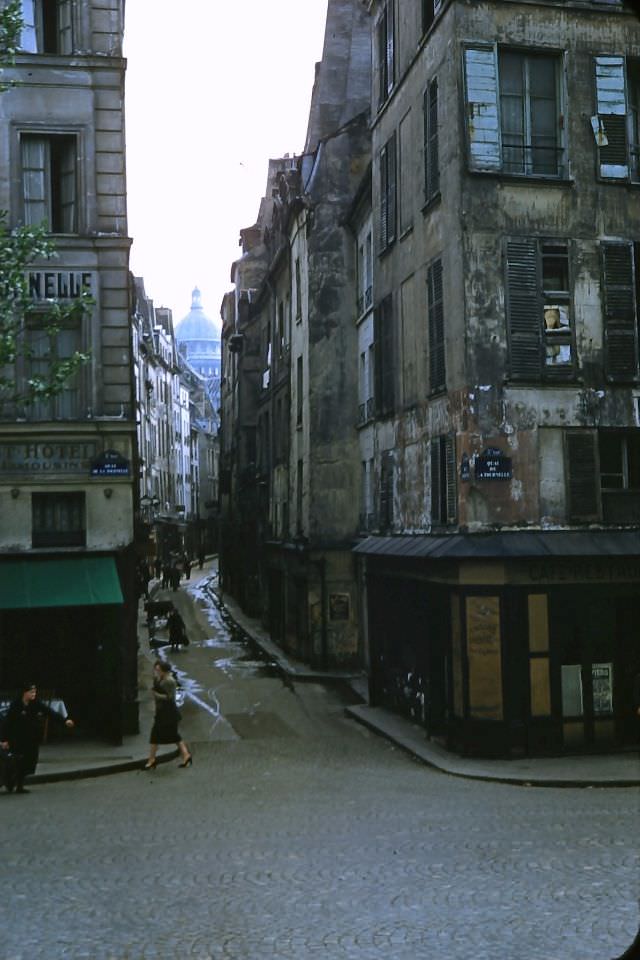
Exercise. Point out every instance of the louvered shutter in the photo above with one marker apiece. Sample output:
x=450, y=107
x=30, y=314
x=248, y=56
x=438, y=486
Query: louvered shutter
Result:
x=583, y=479
x=612, y=112
x=483, y=119
x=387, y=355
x=431, y=161
x=386, y=490
x=437, y=364
x=524, y=309
x=451, y=475
x=391, y=189
x=619, y=315
x=384, y=199
x=436, y=481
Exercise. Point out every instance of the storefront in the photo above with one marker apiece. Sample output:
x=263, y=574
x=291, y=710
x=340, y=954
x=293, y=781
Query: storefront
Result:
x=509, y=644
x=64, y=625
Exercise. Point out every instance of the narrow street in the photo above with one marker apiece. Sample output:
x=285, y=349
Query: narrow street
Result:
x=298, y=834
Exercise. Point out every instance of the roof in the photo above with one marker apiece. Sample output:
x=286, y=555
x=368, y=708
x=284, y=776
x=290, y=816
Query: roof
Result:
x=524, y=543
x=196, y=325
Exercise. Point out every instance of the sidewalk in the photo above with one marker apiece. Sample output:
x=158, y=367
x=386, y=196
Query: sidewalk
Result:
x=611, y=770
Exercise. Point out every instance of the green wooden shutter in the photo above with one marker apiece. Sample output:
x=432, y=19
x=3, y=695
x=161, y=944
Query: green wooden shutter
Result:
x=619, y=312
x=583, y=477
x=483, y=118
x=524, y=309
x=612, y=112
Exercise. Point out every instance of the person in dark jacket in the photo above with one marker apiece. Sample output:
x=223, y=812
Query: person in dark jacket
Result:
x=177, y=630
x=21, y=732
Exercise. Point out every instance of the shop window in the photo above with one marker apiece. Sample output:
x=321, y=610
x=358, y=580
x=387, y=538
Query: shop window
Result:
x=514, y=111
x=431, y=159
x=572, y=699
x=385, y=42
x=49, y=181
x=444, y=497
x=384, y=338
x=435, y=314
x=388, y=193
x=58, y=520
x=539, y=309
x=47, y=27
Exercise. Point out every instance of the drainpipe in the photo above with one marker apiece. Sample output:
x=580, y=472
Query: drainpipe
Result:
x=324, y=640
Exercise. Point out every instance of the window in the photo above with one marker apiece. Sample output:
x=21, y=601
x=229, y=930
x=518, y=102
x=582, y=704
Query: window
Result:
x=47, y=27
x=384, y=357
x=514, y=112
x=299, y=390
x=617, y=124
x=430, y=10
x=366, y=495
x=298, y=290
x=299, y=496
x=385, y=34
x=431, y=162
x=603, y=475
x=435, y=312
x=45, y=352
x=539, y=310
x=620, y=318
x=444, y=499
x=388, y=193
x=49, y=181
x=365, y=273
x=58, y=519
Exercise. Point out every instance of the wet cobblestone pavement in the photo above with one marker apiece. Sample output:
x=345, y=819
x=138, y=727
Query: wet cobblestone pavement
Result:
x=299, y=834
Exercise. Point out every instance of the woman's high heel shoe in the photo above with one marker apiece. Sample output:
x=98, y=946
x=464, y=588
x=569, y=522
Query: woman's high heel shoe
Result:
x=187, y=762
x=150, y=765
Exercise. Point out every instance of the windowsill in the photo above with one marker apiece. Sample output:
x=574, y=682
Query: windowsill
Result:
x=405, y=233
x=387, y=250
x=530, y=179
x=432, y=202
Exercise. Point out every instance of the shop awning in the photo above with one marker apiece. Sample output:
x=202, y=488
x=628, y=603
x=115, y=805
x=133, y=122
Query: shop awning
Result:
x=524, y=543
x=59, y=582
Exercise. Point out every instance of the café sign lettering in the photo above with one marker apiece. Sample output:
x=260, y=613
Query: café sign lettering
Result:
x=47, y=457
x=60, y=284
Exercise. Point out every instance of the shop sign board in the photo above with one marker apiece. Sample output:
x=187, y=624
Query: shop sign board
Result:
x=46, y=457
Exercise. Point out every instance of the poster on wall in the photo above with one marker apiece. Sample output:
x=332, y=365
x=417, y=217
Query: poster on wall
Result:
x=602, y=685
x=484, y=654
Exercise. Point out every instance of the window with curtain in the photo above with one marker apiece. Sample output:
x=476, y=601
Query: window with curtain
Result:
x=49, y=181
x=45, y=350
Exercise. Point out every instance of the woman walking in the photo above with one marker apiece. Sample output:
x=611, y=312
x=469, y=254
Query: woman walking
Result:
x=165, y=723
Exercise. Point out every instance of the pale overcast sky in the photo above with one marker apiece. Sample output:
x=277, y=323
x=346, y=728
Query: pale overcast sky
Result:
x=214, y=89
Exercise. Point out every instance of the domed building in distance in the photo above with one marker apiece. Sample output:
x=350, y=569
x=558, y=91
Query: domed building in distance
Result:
x=199, y=342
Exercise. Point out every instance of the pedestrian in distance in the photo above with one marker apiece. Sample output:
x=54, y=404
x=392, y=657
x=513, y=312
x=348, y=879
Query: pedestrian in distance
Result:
x=186, y=563
x=201, y=558
x=167, y=716
x=177, y=631
x=166, y=575
x=21, y=733
x=176, y=573
x=157, y=566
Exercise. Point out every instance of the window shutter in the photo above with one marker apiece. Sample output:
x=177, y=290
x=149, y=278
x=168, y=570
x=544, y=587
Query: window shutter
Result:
x=436, y=485
x=431, y=161
x=435, y=305
x=583, y=488
x=387, y=354
x=391, y=189
x=483, y=125
x=384, y=199
x=378, y=360
x=386, y=490
x=451, y=474
x=612, y=111
x=620, y=326
x=64, y=28
x=524, y=311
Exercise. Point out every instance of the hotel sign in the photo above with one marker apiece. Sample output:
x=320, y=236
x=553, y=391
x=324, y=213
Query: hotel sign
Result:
x=61, y=284
x=48, y=457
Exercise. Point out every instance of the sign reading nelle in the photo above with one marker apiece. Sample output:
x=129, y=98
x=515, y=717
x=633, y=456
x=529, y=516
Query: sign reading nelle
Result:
x=61, y=284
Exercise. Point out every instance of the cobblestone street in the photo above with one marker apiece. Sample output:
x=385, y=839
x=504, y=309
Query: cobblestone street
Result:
x=299, y=834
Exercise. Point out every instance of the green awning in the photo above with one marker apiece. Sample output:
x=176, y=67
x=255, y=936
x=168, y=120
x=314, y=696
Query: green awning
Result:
x=60, y=582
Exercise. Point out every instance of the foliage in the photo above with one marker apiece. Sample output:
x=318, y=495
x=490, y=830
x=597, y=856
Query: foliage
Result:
x=19, y=249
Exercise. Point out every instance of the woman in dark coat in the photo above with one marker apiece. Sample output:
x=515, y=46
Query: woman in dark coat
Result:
x=21, y=732
x=165, y=723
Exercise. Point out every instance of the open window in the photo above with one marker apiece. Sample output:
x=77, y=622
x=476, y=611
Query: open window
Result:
x=47, y=27
x=49, y=181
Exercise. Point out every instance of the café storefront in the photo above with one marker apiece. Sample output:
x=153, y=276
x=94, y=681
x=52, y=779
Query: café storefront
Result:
x=510, y=644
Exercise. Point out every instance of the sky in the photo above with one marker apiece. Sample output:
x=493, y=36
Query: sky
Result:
x=212, y=92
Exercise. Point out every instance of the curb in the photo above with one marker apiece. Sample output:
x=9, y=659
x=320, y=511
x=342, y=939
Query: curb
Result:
x=103, y=770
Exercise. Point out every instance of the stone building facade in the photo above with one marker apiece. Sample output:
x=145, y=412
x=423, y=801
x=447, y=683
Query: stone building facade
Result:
x=67, y=479
x=501, y=583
